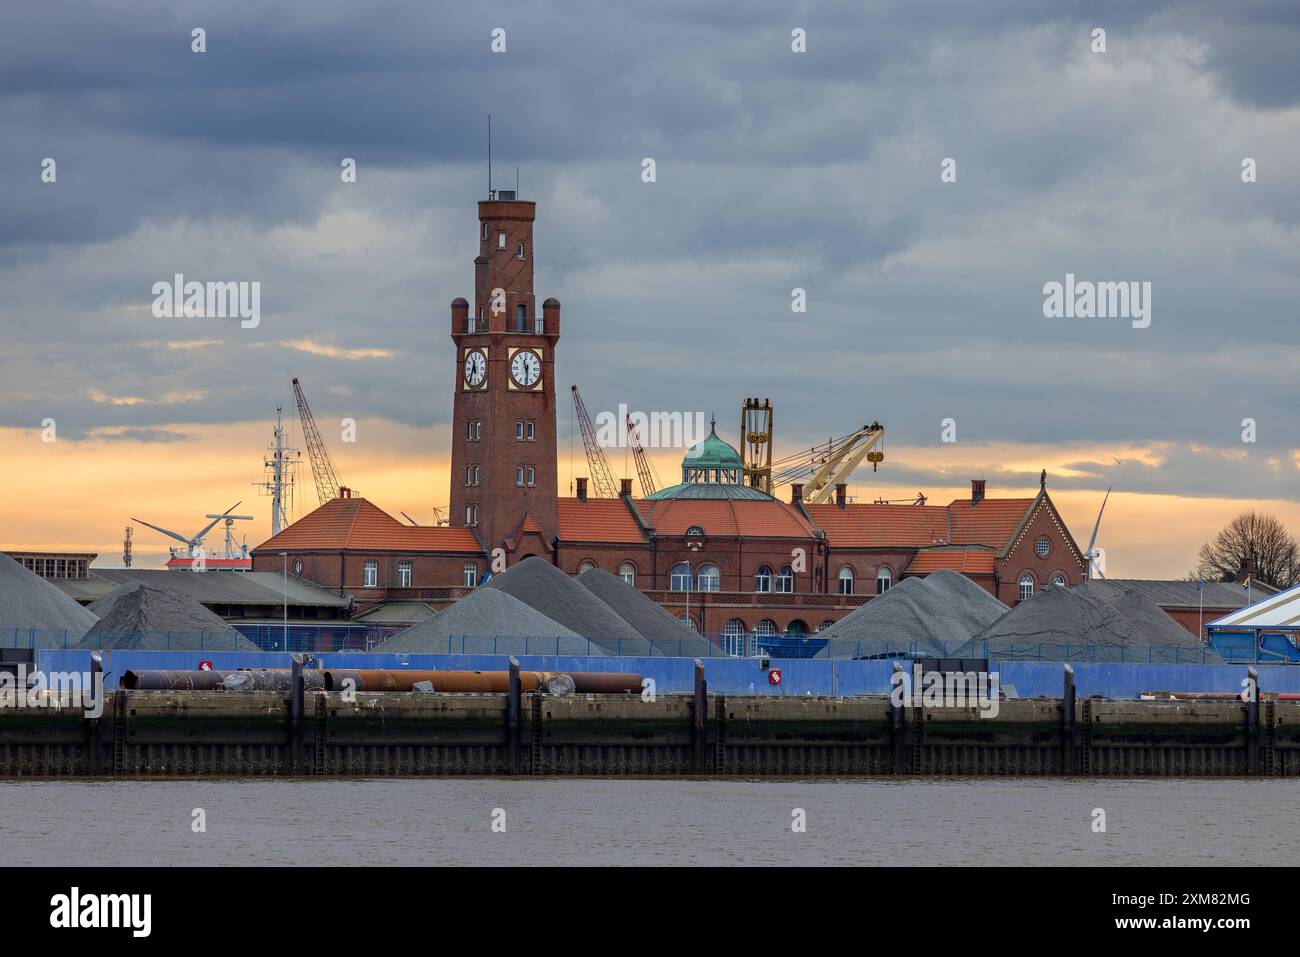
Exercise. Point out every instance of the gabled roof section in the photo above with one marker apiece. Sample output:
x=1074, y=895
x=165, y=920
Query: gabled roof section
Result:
x=598, y=520
x=348, y=522
x=881, y=526
x=993, y=522
x=726, y=518
x=968, y=561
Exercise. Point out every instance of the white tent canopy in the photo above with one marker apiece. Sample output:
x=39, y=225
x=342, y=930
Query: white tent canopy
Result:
x=1280, y=611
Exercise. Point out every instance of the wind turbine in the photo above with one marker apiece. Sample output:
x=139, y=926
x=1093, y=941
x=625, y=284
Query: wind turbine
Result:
x=195, y=540
x=1093, y=553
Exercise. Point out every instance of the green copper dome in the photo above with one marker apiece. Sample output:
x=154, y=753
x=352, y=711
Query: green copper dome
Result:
x=712, y=453
x=712, y=469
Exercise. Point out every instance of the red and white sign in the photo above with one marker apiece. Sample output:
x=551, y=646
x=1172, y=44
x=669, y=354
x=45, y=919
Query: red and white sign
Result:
x=205, y=666
x=774, y=676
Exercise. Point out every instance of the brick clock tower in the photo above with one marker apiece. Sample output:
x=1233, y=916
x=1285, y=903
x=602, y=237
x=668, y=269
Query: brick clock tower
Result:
x=503, y=450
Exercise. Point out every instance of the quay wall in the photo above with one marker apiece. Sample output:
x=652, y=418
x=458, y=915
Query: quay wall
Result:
x=170, y=733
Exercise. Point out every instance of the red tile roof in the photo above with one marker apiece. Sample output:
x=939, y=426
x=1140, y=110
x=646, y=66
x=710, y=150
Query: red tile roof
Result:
x=881, y=526
x=357, y=523
x=725, y=517
x=598, y=520
x=969, y=561
x=992, y=522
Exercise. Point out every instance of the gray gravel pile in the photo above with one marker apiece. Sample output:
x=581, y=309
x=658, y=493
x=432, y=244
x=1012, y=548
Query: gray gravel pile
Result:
x=28, y=603
x=935, y=616
x=147, y=617
x=650, y=619
x=543, y=587
x=487, y=621
x=1087, y=624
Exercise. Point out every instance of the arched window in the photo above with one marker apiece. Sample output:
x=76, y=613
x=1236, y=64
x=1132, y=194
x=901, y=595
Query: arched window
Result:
x=681, y=577
x=884, y=579
x=1058, y=580
x=734, y=634
x=627, y=572
x=765, y=628
x=763, y=578
x=586, y=566
x=709, y=578
x=687, y=620
x=1026, y=586
x=846, y=580
x=785, y=579
x=796, y=629
x=825, y=624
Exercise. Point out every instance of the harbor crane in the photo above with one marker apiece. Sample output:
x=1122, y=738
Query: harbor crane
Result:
x=602, y=478
x=645, y=469
x=322, y=468
x=826, y=465
x=195, y=542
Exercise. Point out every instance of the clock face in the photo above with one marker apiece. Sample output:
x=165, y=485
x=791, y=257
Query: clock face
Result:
x=475, y=369
x=526, y=368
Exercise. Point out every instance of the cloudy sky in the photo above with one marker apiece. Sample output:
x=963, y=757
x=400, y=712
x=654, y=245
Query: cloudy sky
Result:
x=775, y=170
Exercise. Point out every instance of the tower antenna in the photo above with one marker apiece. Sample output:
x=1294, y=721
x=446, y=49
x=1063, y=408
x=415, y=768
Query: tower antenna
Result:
x=489, y=156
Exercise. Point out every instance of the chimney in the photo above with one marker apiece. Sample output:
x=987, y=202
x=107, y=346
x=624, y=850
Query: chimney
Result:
x=345, y=492
x=842, y=494
x=976, y=491
x=796, y=493
x=1247, y=570
x=582, y=489
x=625, y=489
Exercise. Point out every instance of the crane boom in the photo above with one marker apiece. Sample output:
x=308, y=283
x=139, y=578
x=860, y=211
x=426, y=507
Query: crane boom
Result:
x=322, y=469
x=645, y=469
x=832, y=462
x=601, y=476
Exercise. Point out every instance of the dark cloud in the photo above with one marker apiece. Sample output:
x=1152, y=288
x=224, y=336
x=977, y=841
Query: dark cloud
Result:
x=774, y=171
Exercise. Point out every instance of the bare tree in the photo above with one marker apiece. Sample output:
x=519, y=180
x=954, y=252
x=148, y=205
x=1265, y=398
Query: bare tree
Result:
x=1261, y=539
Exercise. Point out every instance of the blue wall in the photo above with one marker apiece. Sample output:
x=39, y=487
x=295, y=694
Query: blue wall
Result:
x=726, y=675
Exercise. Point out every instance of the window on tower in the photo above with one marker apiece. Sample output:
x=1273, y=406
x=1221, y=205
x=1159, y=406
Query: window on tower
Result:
x=519, y=252
x=532, y=432
x=471, y=514
x=532, y=475
x=519, y=431
x=519, y=475
x=501, y=240
x=486, y=228
x=521, y=318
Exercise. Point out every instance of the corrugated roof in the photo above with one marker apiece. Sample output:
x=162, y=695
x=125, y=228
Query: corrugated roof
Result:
x=725, y=517
x=1183, y=594
x=969, y=561
x=598, y=520
x=881, y=526
x=1275, y=611
x=357, y=523
x=226, y=588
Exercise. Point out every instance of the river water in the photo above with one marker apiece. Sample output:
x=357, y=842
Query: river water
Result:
x=567, y=821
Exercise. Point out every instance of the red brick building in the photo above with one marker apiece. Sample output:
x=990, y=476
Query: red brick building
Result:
x=728, y=556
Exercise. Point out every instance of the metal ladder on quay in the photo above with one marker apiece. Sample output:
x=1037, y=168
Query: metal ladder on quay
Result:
x=1268, y=738
x=720, y=735
x=1085, y=737
x=318, y=736
x=918, y=732
x=535, y=739
x=119, y=732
